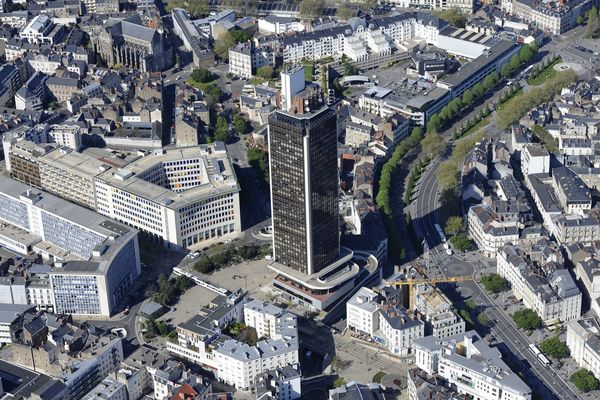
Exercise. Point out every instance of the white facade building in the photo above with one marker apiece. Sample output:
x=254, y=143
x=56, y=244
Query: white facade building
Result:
x=554, y=296
x=535, y=160
x=96, y=259
x=490, y=232
x=583, y=340
x=467, y=362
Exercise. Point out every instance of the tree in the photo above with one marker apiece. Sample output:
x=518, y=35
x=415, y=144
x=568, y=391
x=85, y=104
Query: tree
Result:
x=461, y=242
x=221, y=130
x=202, y=75
x=311, y=8
x=249, y=252
x=240, y=125
x=448, y=175
x=505, y=71
x=592, y=29
x=265, y=72
x=553, y=347
x=482, y=319
x=580, y=20
x=527, y=319
x=468, y=97
x=470, y=304
x=416, y=135
x=584, y=380
x=339, y=382
x=433, y=124
x=454, y=225
x=182, y=283
x=204, y=265
x=478, y=90
x=229, y=40
x=526, y=54
x=455, y=16
x=488, y=82
x=515, y=63
x=493, y=283
x=344, y=12
x=433, y=143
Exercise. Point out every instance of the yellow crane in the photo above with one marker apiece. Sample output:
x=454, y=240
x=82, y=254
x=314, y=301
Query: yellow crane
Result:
x=421, y=281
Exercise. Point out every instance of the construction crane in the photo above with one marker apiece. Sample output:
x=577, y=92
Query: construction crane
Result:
x=411, y=283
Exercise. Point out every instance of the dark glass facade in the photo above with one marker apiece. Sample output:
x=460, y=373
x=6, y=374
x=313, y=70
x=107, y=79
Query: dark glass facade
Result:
x=303, y=161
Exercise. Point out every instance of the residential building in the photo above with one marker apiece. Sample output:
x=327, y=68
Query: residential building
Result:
x=11, y=321
x=571, y=192
x=61, y=88
x=421, y=385
x=273, y=24
x=554, y=17
x=381, y=317
x=535, y=159
x=108, y=389
x=10, y=82
x=441, y=319
x=470, y=366
x=88, y=250
x=38, y=30
x=66, y=136
x=246, y=58
x=465, y=6
x=32, y=94
x=239, y=364
x=581, y=228
x=583, y=339
x=538, y=277
x=490, y=230
x=280, y=384
x=354, y=391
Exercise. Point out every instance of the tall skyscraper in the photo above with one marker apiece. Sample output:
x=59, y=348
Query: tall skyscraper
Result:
x=304, y=185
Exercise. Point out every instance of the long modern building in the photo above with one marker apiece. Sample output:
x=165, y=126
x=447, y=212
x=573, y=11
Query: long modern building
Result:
x=179, y=197
x=95, y=259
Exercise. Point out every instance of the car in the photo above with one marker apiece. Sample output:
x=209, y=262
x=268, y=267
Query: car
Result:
x=268, y=257
x=194, y=255
x=449, y=252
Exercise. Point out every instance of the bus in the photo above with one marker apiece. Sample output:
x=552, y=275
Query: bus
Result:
x=440, y=233
x=527, y=70
x=543, y=359
x=536, y=352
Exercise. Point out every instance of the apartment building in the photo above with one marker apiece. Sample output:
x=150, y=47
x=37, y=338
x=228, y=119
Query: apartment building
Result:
x=38, y=30
x=491, y=230
x=383, y=318
x=32, y=94
x=464, y=5
x=572, y=194
x=246, y=58
x=239, y=364
x=583, y=339
x=470, y=366
x=555, y=17
x=581, y=228
x=96, y=260
x=538, y=277
x=535, y=159
x=441, y=319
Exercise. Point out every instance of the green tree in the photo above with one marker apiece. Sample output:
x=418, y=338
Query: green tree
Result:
x=221, y=130
x=182, y=283
x=482, y=319
x=311, y=8
x=488, y=82
x=592, y=29
x=240, y=124
x=527, y=319
x=580, y=20
x=434, y=123
x=339, y=382
x=416, y=135
x=204, y=265
x=229, y=40
x=470, y=304
x=454, y=225
x=433, y=143
x=525, y=55
x=461, y=242
x=265, y=72
x=515, y=63
x=494, y=283
x=345, y=12
x=202, y=75
x=448, y=175
x=455, y=16
x=468, y=97
x=584, y=380
x=553, y=347
x=478, y=90
x=505, y=71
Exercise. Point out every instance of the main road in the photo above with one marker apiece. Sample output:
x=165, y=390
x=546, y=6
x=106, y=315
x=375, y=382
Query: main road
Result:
x=425, y=210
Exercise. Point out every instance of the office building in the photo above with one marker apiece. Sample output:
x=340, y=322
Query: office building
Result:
x=96, y=259
x=467, y=363
x=304, y=186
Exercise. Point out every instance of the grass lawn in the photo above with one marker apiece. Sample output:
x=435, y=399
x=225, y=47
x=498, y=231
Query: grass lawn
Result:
x=548, y=73
x=511, y=99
